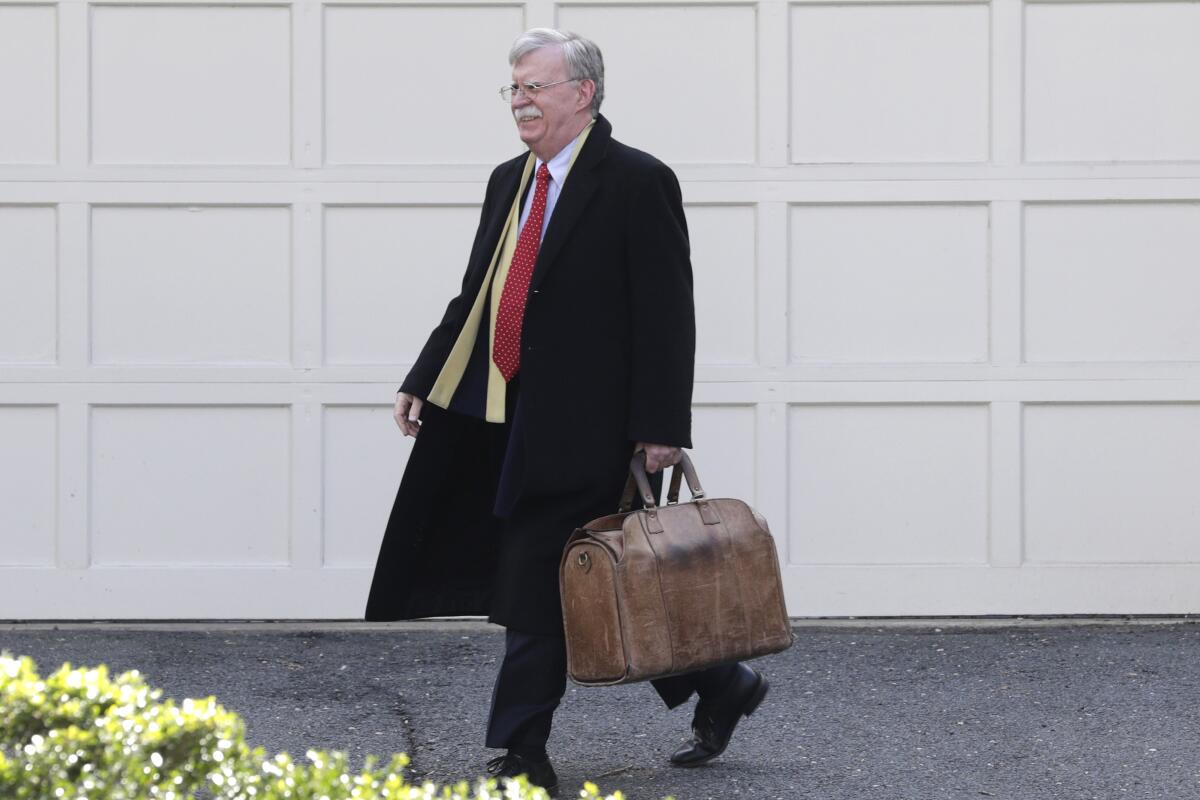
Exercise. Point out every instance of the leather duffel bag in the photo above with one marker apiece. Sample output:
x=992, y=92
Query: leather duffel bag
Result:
x=664, y=590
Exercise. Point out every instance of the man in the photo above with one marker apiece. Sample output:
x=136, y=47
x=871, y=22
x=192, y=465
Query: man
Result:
x=569, y=348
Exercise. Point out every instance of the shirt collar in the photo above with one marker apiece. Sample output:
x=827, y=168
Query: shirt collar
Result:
x=558, y=165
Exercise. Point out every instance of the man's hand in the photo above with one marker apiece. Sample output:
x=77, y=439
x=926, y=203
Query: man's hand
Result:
x=408, y=408
x=659, y=456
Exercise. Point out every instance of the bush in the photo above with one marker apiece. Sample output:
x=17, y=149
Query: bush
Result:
x=79, y=735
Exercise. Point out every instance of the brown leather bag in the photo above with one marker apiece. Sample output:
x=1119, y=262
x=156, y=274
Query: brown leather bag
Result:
x=665, y=590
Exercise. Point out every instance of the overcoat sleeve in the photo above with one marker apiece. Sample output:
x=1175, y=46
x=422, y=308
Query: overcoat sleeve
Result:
x=663, y=318
x=429, y=363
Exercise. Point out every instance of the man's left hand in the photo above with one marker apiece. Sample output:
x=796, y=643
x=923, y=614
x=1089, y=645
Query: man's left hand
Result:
x=659, y=456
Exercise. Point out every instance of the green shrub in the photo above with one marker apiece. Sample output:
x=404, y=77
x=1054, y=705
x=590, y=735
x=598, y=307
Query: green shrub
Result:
x=79, y=735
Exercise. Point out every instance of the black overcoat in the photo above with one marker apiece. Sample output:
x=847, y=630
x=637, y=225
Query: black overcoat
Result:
x=607, y=360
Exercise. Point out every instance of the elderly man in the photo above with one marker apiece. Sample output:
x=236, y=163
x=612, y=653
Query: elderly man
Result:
x=569, y=348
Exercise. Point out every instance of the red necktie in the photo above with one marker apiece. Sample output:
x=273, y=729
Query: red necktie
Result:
x=511, y=314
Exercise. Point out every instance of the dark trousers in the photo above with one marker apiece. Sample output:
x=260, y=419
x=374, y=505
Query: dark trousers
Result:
x=533, y=679
x=533, y=676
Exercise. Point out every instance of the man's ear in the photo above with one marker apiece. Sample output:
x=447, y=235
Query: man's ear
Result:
x=587, y=90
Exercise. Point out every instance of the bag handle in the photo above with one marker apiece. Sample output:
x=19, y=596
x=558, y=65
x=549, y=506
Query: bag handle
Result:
x=637, y=476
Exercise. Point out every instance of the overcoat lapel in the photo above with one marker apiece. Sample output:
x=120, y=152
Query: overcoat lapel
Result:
x=578, y=189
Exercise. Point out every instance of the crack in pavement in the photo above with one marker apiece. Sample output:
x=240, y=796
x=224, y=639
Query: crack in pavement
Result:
x=410, y=735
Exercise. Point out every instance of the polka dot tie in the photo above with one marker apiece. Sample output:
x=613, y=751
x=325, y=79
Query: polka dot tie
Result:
x=511, y=314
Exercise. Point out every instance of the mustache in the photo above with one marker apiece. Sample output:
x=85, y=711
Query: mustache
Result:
x=526, y=112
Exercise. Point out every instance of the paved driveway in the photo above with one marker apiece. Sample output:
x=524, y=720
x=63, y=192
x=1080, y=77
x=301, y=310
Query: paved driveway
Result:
x=863, y=709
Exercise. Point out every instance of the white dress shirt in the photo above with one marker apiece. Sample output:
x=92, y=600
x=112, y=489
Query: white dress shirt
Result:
x=558, y=173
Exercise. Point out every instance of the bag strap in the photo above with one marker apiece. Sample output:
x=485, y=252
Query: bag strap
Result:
x=637, y=477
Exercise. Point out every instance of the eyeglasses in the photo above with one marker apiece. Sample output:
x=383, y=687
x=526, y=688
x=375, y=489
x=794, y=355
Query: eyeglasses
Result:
x=530, y=89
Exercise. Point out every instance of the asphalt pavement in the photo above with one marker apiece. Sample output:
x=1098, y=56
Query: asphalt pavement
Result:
x=912, y=709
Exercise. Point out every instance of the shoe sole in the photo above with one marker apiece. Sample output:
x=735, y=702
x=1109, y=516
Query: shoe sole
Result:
x=756, y=698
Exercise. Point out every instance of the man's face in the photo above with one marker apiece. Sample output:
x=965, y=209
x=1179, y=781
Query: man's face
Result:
x=545, y=121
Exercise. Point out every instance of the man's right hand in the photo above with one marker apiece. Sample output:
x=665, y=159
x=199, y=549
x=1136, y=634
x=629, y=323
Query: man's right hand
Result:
x=408, y=408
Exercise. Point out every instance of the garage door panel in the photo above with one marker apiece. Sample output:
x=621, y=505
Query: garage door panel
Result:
x=28, y=493
x=28, y=284
x=189, y=485
x=888, y=484
x=28, y=130
x=725, y=278
x=417, y=84
x=1112, y=281
x=363, y=459
x=190, y=84
x=191, y=285
x=889, y=82
x=660, y=91
x=1112, y=483
x=888, y=283
x=388, y=273
x=1112, y=81
x=725, y=452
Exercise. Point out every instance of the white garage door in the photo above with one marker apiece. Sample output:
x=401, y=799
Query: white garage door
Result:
x=947, y=262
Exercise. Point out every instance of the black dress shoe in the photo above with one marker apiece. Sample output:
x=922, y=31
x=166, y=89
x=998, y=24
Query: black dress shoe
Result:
x=716, y=717
x=539, y=771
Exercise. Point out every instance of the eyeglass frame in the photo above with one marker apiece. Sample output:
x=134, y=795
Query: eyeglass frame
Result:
x=529, y=88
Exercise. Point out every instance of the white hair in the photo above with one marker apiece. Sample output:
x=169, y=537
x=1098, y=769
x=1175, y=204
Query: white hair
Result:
x=582, y=56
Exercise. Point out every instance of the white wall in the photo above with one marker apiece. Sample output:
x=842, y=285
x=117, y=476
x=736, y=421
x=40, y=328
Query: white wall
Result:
x=947, y=262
